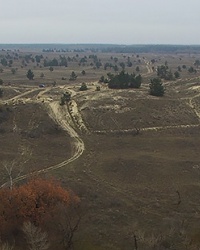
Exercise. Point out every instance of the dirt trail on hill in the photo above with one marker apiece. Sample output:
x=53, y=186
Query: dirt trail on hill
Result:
x=58, y=114
x=42, y=92
x=76, y=117
x=17, y=97
x=148, y=67
x=62, y=116
x=193, y=105
x=134, y=131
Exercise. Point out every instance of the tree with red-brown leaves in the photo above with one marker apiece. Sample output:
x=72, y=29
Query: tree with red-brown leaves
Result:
x=39, y=202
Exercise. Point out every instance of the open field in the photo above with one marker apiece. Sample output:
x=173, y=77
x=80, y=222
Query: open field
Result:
x=132, y=158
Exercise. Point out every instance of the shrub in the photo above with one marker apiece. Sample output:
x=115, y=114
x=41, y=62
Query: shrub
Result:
x=1, y=92
x=83, y=87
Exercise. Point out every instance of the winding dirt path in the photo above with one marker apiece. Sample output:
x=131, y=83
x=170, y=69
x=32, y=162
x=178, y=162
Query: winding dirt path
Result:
x=148, y=67
x=58, y=114
x=17, y=97
x=146, y=129
x=193, y=105
x=61, y=116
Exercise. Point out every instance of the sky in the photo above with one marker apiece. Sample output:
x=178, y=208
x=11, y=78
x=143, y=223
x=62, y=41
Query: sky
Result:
x=100, y=21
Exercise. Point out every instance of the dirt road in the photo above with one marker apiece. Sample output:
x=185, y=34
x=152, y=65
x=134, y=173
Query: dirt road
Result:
x=62, y=117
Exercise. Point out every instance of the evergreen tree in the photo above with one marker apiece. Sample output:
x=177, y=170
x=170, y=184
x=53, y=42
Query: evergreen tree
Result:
x=83, y=87
x=30, y=74
x=73, y=76
x=156, y=87
x=176, y=74
x=1, y=92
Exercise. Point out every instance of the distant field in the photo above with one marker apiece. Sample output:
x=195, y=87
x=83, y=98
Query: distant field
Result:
x=137, y=162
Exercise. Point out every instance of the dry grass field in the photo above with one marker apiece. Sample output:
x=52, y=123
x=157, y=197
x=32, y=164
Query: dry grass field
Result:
x=132, y=158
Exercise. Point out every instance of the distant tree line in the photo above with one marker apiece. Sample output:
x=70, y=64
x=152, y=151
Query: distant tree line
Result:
x=124, y=80
x=151, y=49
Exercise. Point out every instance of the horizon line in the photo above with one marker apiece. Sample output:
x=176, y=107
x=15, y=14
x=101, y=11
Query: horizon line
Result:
x=118, y=44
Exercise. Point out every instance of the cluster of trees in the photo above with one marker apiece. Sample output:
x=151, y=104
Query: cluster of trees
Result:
x=117, y=65
x=192, y=70
x=165, y=73
x=30, y=74
x=103, y=79
x=110, y=66
x=8, y=59
x=51, y=63
x=83, y=60
x=13, y=70
x=63, y=60
x=6, y=62
x=38, y=58
x=124, y=80
x=40, y=209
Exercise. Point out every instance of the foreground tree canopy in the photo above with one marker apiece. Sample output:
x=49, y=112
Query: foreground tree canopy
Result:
x=38, y=202
x=124, y=80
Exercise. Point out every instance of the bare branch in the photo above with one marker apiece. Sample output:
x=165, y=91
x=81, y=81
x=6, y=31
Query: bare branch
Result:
x=36, y=239
x=68, y=220
x=5, y=246
x=15, y=167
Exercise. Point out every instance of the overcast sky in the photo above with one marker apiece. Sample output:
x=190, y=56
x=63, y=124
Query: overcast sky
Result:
x=100, y=21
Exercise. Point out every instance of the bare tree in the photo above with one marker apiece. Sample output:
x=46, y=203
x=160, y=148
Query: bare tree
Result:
x=136, y=125
x=137, y=130
x=8, y=167
x=68, y=221
x=36, y=239
x=179, y=198
x=15, y=168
